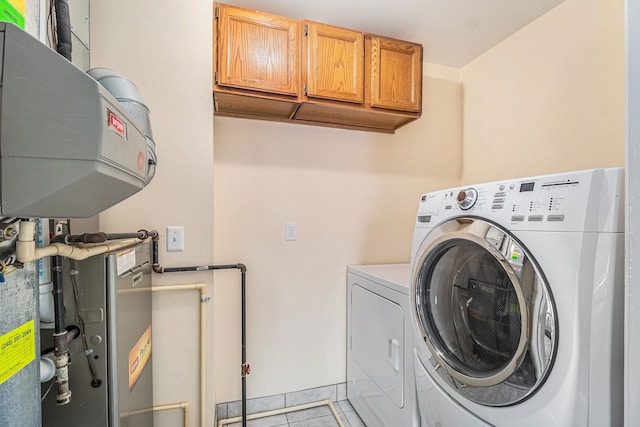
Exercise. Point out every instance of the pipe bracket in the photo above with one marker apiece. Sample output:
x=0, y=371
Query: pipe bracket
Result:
x=245, y=369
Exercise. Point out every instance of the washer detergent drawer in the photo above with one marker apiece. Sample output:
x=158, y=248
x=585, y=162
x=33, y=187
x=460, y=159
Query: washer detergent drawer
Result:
x=377, y=340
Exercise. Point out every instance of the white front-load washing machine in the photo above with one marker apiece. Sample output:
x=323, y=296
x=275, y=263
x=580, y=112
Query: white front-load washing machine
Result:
x=380, y=380
x=517, y=302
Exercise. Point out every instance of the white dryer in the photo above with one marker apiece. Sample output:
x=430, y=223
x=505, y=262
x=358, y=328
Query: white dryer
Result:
x=517, y=302
x=380, y=380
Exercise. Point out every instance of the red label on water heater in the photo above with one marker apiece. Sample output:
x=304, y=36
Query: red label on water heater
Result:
x=117, y=125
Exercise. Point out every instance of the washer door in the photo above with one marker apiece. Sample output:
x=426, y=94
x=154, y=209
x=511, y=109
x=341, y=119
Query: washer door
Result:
x=485, y=311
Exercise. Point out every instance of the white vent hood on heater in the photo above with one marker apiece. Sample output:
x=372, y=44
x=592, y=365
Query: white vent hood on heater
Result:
x=68, y=147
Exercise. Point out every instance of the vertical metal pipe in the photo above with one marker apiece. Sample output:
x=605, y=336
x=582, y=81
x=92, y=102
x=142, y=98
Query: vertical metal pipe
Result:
x=154, y=253
x=60, y=337
x=244, y=345
x=58, y=298
x=245, y=369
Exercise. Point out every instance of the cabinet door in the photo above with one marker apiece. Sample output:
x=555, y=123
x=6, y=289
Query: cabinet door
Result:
x=335, y=63
x=258, y=51
x=396, y=74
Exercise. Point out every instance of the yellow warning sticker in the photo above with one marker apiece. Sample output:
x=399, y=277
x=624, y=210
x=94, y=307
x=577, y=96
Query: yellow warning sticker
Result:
x=17, y=350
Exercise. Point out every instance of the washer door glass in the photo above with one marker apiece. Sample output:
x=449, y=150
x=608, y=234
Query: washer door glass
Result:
x=485, y=312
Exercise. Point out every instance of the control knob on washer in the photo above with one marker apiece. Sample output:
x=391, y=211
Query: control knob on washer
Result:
x=467, y=198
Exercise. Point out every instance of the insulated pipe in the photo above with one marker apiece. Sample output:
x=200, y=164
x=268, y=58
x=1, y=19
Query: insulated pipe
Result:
x=63, y=28
x=245, y=367
x=62, y=373
x=140, y=234
x=26, y=250
x=81, y=238
x=101, y=237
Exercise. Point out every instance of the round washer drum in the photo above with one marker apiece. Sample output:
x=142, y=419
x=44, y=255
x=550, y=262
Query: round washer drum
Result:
x=485, y=311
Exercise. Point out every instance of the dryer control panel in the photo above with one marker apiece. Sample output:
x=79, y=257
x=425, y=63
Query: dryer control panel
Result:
x=589, y=200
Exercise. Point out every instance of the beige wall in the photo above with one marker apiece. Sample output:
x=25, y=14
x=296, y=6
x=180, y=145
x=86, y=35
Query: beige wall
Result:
x=166, y=51
x=550, y=98
x=353, y=196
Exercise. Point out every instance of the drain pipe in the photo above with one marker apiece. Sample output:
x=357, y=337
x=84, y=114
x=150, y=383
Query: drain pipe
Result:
x=245, y=368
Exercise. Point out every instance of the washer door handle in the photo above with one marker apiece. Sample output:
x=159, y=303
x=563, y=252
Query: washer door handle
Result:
x=394, y=354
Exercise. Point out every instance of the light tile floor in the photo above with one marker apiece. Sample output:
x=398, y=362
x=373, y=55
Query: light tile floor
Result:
x=320, y=416
x=314, y=417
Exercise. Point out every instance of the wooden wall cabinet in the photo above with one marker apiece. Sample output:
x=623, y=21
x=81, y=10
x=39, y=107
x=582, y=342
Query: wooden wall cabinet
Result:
x=335, y=63
x=256, y=63
x=396, y=74
x=274, y=68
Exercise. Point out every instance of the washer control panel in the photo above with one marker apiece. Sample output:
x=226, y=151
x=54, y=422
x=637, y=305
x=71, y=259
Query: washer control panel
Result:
x=550, y=202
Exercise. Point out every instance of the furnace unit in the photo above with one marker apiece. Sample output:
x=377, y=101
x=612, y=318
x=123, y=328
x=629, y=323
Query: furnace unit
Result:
x=113, y=293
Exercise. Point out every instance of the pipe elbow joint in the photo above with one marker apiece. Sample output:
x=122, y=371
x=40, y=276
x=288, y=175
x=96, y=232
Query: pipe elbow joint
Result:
x=25, y=251
x=242, y=268
x=157, y=268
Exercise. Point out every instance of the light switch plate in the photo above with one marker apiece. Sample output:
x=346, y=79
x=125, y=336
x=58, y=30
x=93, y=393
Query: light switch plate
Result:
x=175, y=238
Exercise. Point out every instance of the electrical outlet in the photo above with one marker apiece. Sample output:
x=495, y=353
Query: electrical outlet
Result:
x=291, y=231
x=175, y=238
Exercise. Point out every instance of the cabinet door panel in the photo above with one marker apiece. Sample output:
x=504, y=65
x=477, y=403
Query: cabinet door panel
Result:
x=258, y=51
x=335, y=63
x=396, y=74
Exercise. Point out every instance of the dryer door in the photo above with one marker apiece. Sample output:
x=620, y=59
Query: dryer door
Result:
x=485, y=312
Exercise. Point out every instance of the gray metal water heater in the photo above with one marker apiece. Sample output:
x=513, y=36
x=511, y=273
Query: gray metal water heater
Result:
x=68, y=147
